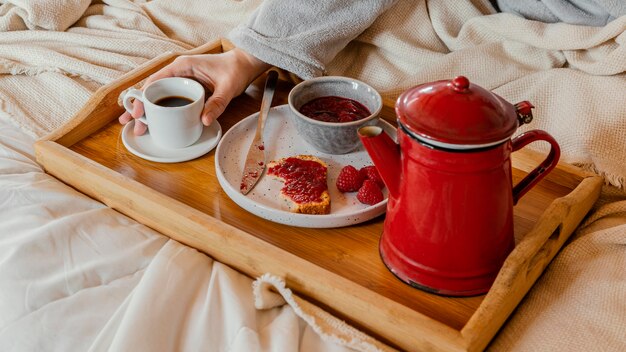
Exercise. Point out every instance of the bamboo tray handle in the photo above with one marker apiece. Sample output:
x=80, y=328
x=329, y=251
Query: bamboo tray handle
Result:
x=105, y=100
x=546, y=239
x=527, y=262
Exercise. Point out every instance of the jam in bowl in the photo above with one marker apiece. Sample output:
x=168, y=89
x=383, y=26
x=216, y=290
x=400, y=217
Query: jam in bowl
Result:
x=334, y=109
x=328, y=111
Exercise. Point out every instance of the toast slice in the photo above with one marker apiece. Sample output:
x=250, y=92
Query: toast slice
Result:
x=305, y=189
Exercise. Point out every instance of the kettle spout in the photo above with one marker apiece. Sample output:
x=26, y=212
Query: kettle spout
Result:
x=385, y=154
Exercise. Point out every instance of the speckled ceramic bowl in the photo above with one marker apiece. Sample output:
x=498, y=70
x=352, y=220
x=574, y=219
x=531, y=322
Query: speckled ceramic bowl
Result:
x=333, y=137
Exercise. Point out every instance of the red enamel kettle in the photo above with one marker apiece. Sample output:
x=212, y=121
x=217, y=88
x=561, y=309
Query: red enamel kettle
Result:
x=449, y=222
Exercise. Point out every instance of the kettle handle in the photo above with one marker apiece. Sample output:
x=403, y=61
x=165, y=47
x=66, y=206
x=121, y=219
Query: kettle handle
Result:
x=540, y=171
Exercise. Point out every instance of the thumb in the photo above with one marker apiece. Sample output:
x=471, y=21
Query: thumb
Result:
x=177, y=68
x=214, y=107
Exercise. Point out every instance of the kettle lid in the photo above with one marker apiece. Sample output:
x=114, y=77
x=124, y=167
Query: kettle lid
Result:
x=456, y=114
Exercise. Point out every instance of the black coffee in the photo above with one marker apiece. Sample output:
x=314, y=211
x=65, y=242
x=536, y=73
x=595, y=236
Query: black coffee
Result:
x=173, y=101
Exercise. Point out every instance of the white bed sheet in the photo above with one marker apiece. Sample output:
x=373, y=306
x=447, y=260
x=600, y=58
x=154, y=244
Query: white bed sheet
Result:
x=78, y=276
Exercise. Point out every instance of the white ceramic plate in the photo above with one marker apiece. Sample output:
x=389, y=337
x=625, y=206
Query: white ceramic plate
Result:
x=282, y=140
x=143, y=147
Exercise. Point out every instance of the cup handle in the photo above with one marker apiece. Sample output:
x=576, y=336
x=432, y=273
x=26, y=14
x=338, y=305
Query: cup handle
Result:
x=133, y=94
x=540, y=171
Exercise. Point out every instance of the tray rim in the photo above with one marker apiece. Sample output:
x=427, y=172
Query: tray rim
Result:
x=405, y=328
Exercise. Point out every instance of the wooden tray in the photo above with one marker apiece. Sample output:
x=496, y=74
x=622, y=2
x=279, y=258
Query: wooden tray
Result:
x=338, y=269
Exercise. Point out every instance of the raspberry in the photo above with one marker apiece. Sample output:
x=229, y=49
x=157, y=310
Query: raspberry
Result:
x=369, y=193
x=371, y=173
x=349, y=179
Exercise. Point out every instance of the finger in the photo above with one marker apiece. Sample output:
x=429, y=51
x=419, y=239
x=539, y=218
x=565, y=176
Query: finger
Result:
x=137, y=109
x=179, y=67
x=125, y=117
x=139, y=128
x=137, y=112
x=213, y=108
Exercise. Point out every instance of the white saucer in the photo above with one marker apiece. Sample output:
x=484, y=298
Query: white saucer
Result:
x=143, y=147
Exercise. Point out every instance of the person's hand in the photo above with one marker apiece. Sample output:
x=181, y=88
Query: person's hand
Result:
x=226, y=75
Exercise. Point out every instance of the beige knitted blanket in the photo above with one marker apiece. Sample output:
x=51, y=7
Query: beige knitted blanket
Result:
x=574, y=75
x=54, y=54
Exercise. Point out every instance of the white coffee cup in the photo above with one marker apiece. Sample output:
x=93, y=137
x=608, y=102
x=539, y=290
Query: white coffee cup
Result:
x=170, y=126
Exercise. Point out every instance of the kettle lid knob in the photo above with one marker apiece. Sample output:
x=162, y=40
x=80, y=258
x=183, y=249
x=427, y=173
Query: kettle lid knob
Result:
x=460, y=84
